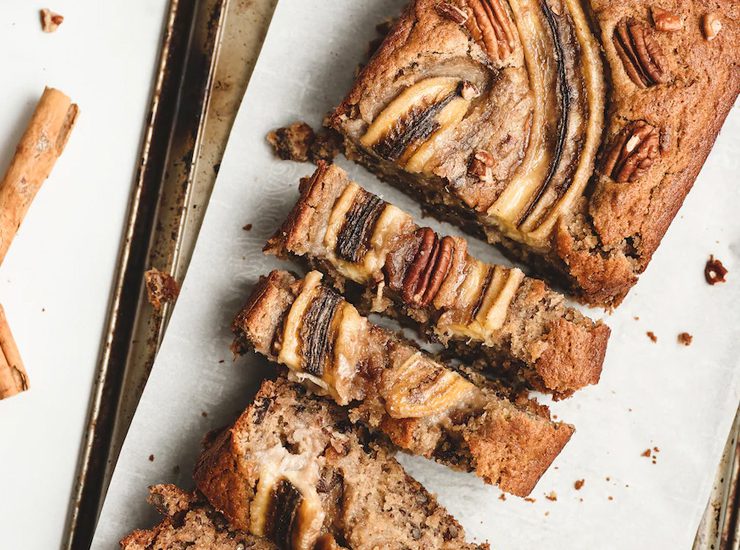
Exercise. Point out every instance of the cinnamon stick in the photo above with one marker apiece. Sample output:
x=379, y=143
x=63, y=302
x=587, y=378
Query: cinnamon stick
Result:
x=37, y=151
x=13, y=377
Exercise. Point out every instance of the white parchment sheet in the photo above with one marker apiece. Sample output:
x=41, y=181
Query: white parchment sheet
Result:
x=678, y=399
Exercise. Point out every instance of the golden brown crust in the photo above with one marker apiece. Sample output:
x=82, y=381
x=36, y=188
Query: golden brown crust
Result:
x=676, y=82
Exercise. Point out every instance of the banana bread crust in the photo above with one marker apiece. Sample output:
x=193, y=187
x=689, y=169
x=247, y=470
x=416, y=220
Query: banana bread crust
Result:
x=663, y=97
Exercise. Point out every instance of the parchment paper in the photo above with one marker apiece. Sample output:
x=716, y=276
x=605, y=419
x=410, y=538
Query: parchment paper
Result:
x=680, y=400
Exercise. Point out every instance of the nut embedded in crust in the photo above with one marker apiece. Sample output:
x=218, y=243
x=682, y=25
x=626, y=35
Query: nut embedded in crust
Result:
x=710, y=26
x=491, y=27
x=480, y=165
x=452, y=12
x=666, y=21
x=632, y=153
x=641, y=56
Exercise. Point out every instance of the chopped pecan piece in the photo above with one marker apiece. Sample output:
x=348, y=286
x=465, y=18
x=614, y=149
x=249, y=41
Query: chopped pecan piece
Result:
x=666, y=21
x=633, y=151
x=714, y=271
x=710, y=26
x=50, y=21
x=491, y=27
x=452, y=12
x=685, y=338
x=480, y=165
x=640, y=53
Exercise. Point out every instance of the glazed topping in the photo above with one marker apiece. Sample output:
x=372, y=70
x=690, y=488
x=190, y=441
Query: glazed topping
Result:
x=566, y=126
x=411, y=128
x=421, y=387
x=413, y=387
x=360, y=230
x=358, y=226
x=316, y=332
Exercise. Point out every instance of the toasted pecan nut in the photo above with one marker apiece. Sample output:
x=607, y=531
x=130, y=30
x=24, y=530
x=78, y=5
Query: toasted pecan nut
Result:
x=633, y=151
x=452, y=12
x=710, y=26
x=441, y=269
x=491, y=27
x=641, y=56
x=665, y=20
x=417, y=267
x=480, y=165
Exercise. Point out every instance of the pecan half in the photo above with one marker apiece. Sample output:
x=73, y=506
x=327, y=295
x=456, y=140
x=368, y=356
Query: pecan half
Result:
x=491, y=27
x=441, y=269
x=640, y=53
x=415, y=272
x=452, y=12
x=666, y=21
x=632, y=152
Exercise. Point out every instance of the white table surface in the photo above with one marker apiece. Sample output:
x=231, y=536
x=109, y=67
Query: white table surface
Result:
x=55, y=282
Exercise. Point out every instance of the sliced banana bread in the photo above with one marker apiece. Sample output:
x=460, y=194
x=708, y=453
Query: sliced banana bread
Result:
x=293, y=468
x=423, y=406
x=518, y=323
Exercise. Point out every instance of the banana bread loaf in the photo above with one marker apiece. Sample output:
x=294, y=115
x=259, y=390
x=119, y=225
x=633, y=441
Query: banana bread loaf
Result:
x=518, y=323
x=566, y=132
x=423, y=406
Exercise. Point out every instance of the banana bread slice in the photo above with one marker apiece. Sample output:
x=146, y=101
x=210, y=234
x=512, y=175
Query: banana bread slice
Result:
x=293, y=468
x=566, y=132
x=518, y=323
x=391, y=386
x=189, y=522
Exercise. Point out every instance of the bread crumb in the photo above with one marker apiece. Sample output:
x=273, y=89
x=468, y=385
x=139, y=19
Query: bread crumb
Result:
x=552, y=495
x=611, y=498
x=646, y=452
x=151, y=458
x=579, y=484
x=161, y=288
x=50, y=21
x=651, y=335
x=204, y=414
x=247, y=227
x=502, y=496
x=300, y=143
x=530, y=499
x=714, y=271
x=685, y=338
x=547, y=513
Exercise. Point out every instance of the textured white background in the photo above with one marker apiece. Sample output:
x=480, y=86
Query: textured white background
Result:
x=55, y=282
x=679, y=399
